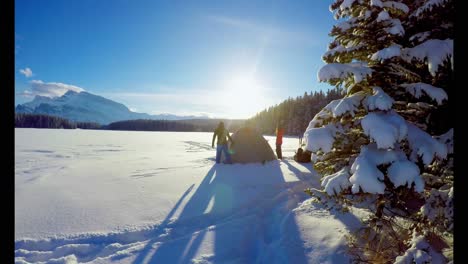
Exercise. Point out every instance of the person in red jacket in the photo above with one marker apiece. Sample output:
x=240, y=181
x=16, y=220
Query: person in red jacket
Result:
x=279, y=140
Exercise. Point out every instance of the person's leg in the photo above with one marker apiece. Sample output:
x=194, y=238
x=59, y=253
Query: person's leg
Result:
x=226, y=154
x=278, y=152
x=218, y=153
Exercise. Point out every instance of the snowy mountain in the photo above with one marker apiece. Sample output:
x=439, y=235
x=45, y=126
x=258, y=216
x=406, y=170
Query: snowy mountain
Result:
x=87, y=107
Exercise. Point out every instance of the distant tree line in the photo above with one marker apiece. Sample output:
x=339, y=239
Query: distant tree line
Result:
x=295, y=113
x=48, y=121
x=150, y=125
x=209, y=125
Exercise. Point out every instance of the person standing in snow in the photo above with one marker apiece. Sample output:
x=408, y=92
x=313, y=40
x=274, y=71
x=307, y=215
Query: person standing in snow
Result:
x=279, y=140
x=222, y=145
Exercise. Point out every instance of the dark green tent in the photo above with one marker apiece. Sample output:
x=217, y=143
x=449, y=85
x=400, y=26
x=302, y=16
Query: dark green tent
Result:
x=250, y=146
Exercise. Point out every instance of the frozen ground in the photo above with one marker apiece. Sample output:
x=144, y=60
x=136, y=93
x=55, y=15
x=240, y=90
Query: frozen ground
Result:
x=158, y=197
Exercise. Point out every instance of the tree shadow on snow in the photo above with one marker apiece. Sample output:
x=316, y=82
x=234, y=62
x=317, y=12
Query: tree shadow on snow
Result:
x=238, y=214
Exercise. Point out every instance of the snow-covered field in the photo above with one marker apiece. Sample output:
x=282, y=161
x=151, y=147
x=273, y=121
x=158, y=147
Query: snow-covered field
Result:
x=159, y=197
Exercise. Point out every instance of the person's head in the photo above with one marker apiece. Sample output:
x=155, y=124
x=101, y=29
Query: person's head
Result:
x=221, y=124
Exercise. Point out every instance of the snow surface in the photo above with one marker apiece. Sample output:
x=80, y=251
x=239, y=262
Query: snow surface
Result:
x=157, y=197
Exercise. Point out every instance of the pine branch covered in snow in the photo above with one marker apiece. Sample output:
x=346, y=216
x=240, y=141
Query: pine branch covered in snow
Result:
x=416, y=89
x=358, y=71
x=388, y=138
x=434, y=52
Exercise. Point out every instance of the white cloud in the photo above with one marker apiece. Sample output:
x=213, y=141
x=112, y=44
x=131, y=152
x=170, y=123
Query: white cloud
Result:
x=26, y=93
x=52, y=89
x=26, y=72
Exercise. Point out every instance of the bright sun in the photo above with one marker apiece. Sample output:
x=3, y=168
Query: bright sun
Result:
x=244, y=96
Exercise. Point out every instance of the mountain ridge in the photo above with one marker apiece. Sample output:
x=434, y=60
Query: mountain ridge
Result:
x=87, y=107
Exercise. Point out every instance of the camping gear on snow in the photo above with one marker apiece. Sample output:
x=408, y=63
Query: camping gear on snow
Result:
x=250, y=146
x=302, y=156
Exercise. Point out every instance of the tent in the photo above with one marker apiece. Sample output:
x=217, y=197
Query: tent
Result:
x=250, y=146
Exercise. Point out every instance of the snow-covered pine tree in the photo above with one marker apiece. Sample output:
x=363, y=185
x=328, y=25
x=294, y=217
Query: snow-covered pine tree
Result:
x=389, y=143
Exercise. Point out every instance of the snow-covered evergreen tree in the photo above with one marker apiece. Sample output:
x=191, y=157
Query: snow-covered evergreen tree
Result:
x=389, y=141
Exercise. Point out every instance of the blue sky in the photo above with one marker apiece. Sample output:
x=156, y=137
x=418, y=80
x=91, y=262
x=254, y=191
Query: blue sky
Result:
x=222, y=58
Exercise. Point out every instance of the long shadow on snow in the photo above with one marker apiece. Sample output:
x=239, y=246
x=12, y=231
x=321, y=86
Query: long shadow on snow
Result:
x=97, y=242
x=350, y=220
x=242, y=210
